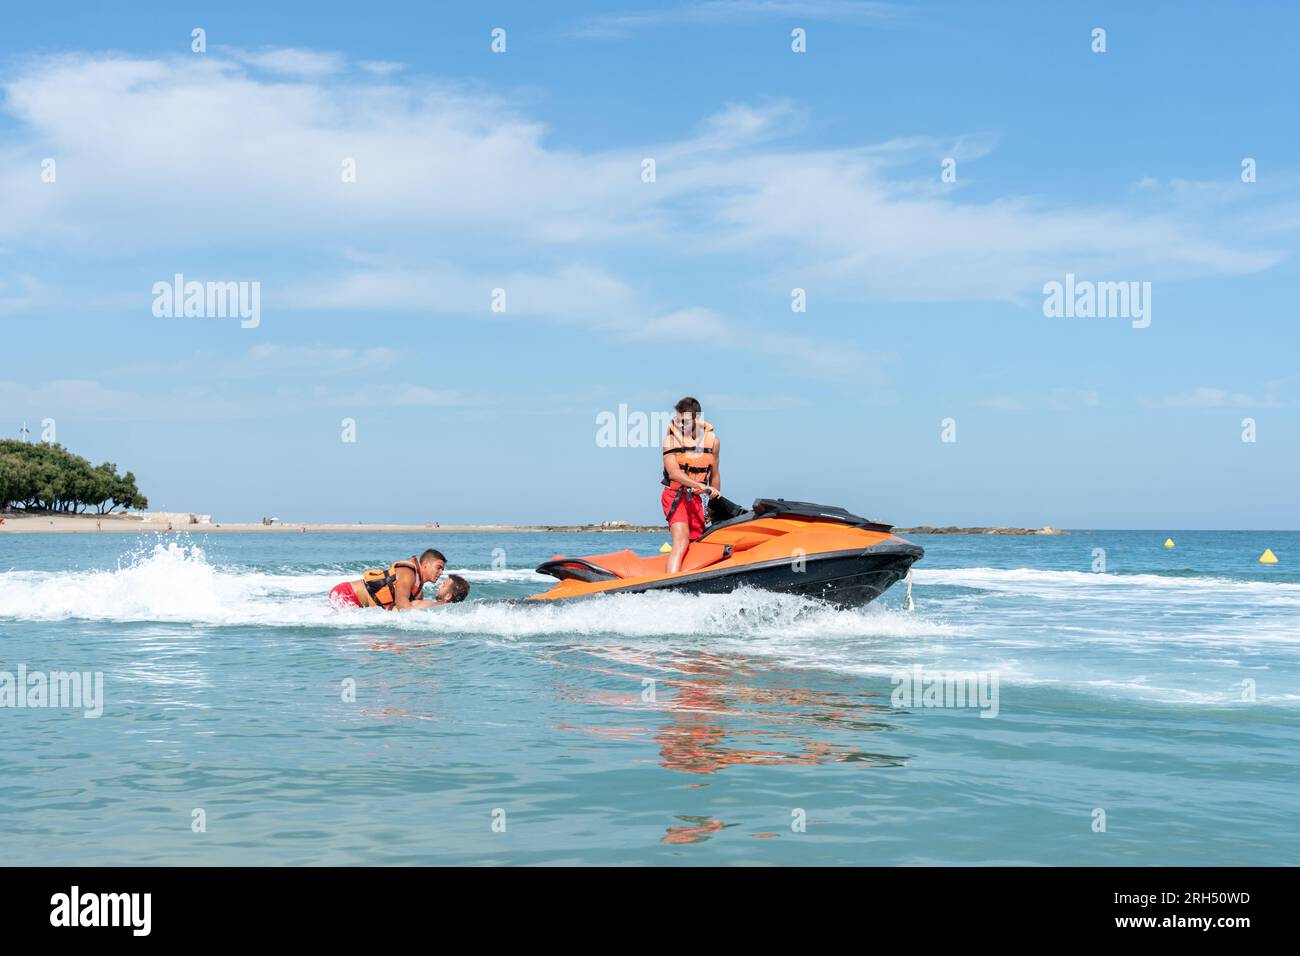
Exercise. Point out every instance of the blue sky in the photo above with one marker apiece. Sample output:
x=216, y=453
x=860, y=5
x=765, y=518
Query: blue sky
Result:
x=775, y=170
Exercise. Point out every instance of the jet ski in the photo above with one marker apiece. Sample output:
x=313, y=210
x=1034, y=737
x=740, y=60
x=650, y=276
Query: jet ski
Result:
x=794, y=547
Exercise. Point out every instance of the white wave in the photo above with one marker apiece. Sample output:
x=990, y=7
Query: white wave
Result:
x=755, y=614
x=1142, y=687
x=489, y=575
x=1037, y=581
x=1080, y=642
x=175, y=583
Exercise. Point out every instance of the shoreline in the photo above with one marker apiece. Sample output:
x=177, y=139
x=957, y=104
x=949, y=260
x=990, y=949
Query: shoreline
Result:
x=118, y=524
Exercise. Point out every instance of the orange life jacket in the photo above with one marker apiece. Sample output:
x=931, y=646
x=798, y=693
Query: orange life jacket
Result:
x=381, y=584
x=695, y=457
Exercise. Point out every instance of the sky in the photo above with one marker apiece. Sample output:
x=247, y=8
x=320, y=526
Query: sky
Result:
x=921, y=383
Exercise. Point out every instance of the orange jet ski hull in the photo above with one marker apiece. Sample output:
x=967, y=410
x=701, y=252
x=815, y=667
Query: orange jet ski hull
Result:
x=792, y=547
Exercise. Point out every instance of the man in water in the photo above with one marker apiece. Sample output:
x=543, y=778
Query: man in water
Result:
x=690, y=452
x=399, y=587
x=451, y=591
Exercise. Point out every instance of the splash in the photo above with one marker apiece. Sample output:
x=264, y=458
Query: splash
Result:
x=170, y=582
x=1150, y=636
x=1045, y=582
x=749, y=613
x=176, y=583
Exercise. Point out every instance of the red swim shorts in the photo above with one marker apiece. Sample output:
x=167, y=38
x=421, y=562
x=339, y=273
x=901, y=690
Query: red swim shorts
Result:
x=690, y=510
x=344, y=596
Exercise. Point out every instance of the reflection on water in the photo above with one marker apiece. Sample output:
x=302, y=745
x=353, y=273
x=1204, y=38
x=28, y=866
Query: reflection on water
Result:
x=387, y=694
x=224, y=688
x=699, y=830
x=716, y=711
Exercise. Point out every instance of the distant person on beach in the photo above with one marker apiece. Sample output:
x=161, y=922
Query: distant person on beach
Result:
x=399, y=587
x=690, y=451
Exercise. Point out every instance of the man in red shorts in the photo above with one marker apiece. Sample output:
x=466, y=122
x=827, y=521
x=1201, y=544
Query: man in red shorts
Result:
x=690, y=471
x=399, y=587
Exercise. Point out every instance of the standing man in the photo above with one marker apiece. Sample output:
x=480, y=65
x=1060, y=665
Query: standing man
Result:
x=690, y=471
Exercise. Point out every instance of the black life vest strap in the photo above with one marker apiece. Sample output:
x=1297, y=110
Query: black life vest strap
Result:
x=375, y=585
x=390, y=578
x=414, y=565
x=677, y=499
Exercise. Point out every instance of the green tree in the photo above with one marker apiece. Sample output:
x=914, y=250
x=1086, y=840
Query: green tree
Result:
x=37, y=476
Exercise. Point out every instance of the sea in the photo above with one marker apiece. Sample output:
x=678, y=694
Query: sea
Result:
x=1093, y=698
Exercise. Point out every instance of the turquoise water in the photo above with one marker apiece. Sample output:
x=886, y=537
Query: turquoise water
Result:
x=652, y=729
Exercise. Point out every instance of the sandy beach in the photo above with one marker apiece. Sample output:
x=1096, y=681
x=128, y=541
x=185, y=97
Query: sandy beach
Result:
x=94, y=524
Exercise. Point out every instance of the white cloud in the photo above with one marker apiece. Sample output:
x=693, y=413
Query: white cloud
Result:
x=220, y=159
x=1211, y=397
x=381, y=67
x=386, y=395
x=861, y=12
x=20, y=292
x=850, y=226
x=62, y=398
x=285, y=358
x=589, y=298
x=1062, y=399
x=740, y=125
x=684, y=325
x=216, y=154
x=87, y=400
x=288, y=61
x=776, y=402
x=572, y=293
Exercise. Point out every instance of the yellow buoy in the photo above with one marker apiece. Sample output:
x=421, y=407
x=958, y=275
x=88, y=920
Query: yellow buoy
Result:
x=1268, y=557
x=1169, y=542
x=665, y=548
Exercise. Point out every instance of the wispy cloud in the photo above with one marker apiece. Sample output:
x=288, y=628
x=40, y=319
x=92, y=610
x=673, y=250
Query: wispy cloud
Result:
x=1056, y=399
x=269, y=357
x=381, y=67
x=288, y=61
x=1204, y=396
x=90, y=400
x=19, y=292
x=589, y=298
x=254, y=162
x=856, y=12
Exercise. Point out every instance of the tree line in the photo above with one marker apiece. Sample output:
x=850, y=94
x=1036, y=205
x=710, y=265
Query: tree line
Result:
x=40, y=476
